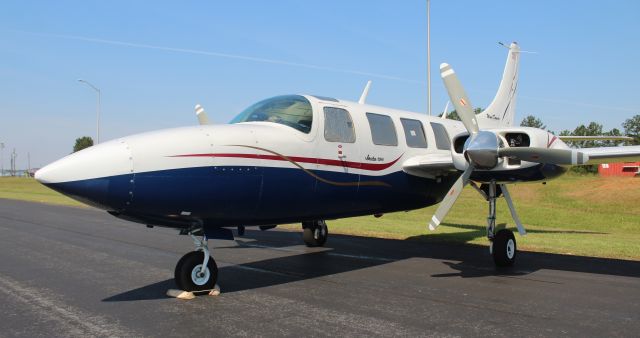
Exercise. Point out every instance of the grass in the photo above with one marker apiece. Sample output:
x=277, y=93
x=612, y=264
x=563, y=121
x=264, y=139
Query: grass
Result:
x=28, y=189
x=576, y=215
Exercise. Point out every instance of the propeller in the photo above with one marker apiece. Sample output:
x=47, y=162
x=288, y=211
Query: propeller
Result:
x=450, y=199
x=512, y=209
x=482, y=151
x=459, y=98
x=463, y=106
x=546, y=155
x=203, y=119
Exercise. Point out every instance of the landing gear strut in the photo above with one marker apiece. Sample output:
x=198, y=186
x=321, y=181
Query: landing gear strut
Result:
x=315, y=233
x=196, y=271
x=503, y=243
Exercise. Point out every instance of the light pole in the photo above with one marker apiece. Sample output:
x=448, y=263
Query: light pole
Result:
x=1, y=159
x=97, y=108
x=429, y=56
x=13, y=162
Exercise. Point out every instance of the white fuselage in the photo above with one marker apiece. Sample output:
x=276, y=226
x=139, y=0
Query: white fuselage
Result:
x=265, y=172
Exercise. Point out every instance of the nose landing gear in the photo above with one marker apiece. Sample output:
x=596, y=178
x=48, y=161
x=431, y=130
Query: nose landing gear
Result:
x=196, y=271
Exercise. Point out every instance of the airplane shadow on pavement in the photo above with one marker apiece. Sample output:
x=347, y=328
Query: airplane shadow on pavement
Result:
x=345, y=253
x=477, y=231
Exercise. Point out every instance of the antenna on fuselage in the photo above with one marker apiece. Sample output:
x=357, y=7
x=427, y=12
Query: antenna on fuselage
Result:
x=202, y=115
x=365, y=93
x=446, y=111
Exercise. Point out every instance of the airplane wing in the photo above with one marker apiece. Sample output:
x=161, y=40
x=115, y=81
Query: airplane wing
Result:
x=595, y=138
x=611, y=154
x=432, y=165
x=429, y=166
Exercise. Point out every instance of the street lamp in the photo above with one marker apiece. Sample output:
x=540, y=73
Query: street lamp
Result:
x=429, y=57
x=97, y=108
x=1, y=159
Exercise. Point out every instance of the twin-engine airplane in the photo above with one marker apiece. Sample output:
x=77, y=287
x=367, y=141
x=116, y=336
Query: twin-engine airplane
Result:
x=307, y=159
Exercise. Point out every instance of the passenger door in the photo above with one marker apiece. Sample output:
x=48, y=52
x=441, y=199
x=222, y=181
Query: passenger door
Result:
x=338, y=155
x=382, y=148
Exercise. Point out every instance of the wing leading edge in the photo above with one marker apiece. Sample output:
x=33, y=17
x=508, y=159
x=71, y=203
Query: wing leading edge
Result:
x=612, y=154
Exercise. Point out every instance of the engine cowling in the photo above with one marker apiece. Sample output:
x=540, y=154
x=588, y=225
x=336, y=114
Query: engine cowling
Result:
x=482, y=151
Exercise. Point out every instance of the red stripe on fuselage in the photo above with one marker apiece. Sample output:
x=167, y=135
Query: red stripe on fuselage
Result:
x=322, y=161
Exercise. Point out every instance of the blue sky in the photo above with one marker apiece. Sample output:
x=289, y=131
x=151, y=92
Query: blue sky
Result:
x=154, y=61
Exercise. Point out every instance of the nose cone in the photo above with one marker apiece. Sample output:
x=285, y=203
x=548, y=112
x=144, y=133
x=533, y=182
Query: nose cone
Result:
x=96, y=176
x=39, y=176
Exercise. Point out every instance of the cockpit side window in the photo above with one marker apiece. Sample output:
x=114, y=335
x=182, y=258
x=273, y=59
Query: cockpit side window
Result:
x=338, y=126
x=290, y=110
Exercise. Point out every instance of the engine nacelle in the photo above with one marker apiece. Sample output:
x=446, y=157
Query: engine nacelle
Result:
x=480, y=150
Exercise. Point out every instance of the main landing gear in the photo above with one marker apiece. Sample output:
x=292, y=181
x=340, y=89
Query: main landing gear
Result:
x=503, y=243
x=196, y=271
x=314, y=233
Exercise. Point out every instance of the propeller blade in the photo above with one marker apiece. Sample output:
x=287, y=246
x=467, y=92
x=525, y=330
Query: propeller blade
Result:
x=512, y=209
x=459, y=98
x=450, y=199
x=203, y=119
x=545, y=155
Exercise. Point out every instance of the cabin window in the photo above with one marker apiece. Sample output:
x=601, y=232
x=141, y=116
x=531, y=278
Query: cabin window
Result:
x=290, y=110
x=414, y=133
x=383, y=132
x=338, y=126
x=442, y=137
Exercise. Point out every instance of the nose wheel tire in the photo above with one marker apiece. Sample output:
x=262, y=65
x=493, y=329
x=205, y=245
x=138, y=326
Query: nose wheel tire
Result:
x=503, y=248
x=315, y=233
x=189, y=275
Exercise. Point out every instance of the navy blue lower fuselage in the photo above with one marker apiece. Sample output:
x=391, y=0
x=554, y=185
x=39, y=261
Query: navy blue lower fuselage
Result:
x=242, y=195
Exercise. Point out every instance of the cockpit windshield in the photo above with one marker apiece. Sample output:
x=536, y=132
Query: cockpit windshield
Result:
x=291, y=110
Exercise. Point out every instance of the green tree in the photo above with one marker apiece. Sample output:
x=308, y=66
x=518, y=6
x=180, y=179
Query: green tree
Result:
x=565, y=132
x=82, y=142
x=632, y=128
x=612, y=132
x=532, y=121
x=592, y=129
x=453, y=115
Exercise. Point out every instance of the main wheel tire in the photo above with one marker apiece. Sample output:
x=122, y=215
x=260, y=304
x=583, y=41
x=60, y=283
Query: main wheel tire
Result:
x=504, y=248
x=187, y=275
x=316, y=234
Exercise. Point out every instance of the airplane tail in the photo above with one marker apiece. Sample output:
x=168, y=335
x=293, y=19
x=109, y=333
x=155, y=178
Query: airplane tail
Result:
x=502, y=110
